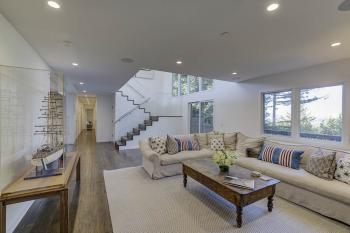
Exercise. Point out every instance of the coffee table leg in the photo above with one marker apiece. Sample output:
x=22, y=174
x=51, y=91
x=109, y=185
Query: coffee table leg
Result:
x=185, y=180
x=270, y=203
x=239, y=211
x=2, y=217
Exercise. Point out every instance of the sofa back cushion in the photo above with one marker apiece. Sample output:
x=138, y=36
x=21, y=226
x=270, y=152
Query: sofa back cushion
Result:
x=283, y=156
x=230, y=140
x=244, y=142
x=202, y=139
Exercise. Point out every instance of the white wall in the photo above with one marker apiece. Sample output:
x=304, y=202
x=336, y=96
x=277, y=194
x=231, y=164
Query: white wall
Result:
x=70, y=119
x=26, y=88
x=237, y=106
x=104, y=118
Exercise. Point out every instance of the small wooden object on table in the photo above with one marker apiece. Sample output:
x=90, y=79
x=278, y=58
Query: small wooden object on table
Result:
x=206, y=172
x=24, y=190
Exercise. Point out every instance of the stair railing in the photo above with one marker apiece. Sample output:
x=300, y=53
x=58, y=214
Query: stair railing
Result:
x=131, y=111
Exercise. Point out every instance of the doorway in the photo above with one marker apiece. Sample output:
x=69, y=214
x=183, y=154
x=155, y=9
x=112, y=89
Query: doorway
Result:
x=86, y=114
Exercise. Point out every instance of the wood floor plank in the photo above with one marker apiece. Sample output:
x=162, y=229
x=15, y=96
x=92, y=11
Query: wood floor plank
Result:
x=88, y=205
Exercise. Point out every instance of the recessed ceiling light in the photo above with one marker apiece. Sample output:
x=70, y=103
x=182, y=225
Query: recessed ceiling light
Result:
x=234, y=73
x=75, y=64
x=84, y=91
x=53, y=4
x=178, y=62
x=272, y=7
x=335, y=44
x=127, y=60
x=81, y=83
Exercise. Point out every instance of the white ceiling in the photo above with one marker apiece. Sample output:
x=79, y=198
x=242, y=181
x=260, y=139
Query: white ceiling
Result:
x=155, y=33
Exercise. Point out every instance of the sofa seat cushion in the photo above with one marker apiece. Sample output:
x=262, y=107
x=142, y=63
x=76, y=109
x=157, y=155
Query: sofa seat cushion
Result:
x=330, y=188
x=167, y=159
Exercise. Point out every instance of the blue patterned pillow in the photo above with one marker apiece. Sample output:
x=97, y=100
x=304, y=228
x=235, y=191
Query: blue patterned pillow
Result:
x=283, y=156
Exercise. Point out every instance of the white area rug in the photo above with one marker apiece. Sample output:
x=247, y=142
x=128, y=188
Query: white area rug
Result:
x=139, y=204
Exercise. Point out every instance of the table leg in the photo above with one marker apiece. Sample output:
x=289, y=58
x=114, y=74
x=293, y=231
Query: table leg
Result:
x=78, y=171
x=239, y=211
x=2, y=217
x=270, y=199
x=64, y=211
x=270, y=203
x=185, y=180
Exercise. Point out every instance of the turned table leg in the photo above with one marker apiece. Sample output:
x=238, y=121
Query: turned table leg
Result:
x=185, y=180
x=64, y=211
x=270, y=203
x=78, y=171
x=270, y=199
x=2, y=217
x=239, y=211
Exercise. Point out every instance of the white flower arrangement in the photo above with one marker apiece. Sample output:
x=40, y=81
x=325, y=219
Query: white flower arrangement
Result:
x=225, y=157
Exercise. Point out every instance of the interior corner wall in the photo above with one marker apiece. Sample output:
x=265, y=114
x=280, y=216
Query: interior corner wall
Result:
x=16, y=52
x=105, y=118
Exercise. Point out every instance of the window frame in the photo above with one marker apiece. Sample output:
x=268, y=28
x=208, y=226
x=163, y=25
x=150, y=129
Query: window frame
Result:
x=263, y=113
x=342, y=113
x=295, y=117
x=200, y=113
x=200, y=79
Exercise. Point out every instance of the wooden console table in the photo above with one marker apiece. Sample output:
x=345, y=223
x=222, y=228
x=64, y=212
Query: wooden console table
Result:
x=25, y=190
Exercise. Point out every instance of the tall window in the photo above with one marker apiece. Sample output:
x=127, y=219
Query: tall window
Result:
x=175, y=86
x=193, y=84
x=277, y=113
x=321, y=113
x=183, y=84
x=207, y=84
x=201, y=117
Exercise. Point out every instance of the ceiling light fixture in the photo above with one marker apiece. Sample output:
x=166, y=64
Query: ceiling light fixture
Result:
x=335, y=44
x=127, y=60
x=53, y=4
x=179, y=62
x=272, y=7
x=234, y=73
x=81, y=83
x=75, y=64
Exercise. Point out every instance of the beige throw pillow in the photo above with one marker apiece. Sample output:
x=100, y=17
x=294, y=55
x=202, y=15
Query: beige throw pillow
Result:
x=244, y=142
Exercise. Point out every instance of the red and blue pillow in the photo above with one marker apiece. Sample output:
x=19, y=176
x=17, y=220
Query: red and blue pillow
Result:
x=187, y=144
x=287, y=157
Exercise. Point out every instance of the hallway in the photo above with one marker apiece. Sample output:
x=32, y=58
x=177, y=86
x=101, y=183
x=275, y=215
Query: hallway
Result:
x=88, y=211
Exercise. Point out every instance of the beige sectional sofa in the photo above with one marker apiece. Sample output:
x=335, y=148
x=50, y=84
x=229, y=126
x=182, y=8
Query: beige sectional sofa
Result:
x=327, y=197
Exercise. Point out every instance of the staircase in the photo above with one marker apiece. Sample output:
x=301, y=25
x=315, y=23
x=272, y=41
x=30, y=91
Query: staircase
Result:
x=140, y=127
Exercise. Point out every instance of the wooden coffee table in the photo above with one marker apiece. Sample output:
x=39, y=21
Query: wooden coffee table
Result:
x=206, y=172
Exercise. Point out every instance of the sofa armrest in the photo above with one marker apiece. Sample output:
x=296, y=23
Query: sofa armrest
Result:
x=147, y=151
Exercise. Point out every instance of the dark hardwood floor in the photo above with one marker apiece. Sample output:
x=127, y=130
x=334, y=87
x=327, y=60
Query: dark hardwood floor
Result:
x=88, y=211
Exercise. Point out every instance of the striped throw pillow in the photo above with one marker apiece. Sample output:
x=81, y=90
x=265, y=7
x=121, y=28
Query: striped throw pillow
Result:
x=172, y=145
x=283, y=156
x=187, y=144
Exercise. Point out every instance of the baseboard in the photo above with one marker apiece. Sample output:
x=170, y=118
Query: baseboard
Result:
x=15, y=217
